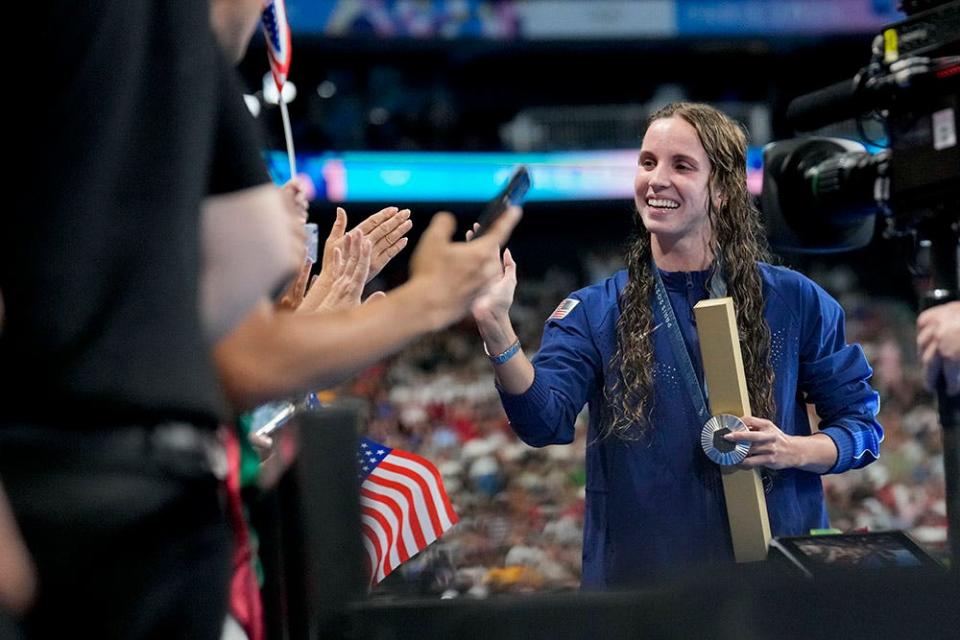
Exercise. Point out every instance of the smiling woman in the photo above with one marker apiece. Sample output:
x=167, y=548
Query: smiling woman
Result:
x=654, y=502
x=701, y=166
x=672, y=191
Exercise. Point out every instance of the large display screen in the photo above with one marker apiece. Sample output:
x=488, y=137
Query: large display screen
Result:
x=470, y=177
x=579, y=19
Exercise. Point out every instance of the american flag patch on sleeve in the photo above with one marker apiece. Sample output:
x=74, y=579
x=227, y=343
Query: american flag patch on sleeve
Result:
x=564, y=308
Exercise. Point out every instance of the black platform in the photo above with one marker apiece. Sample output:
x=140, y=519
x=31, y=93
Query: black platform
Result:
x=315, y=588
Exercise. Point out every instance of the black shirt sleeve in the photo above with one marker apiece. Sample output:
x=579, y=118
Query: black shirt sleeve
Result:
x=237, y=160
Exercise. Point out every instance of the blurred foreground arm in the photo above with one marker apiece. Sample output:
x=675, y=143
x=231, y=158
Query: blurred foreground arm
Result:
x=17, y=577
x=253, y=242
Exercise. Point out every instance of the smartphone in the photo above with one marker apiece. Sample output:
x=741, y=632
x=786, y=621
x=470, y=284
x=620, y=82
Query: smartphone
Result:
x=313, y=241
x=269, y=418
x=513, y=193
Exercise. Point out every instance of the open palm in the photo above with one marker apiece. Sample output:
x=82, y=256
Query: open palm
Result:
x=497, y=298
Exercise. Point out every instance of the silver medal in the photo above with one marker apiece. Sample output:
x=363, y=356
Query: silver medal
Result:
x=723, y=452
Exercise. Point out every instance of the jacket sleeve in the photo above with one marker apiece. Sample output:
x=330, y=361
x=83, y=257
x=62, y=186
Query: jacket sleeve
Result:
x=834, y=376
x=566, y=368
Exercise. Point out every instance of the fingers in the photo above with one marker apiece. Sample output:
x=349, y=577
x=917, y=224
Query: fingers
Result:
x=335, y=238
x=363, y=263
x=924, y=336
x=509, y=266
x=398, y=227
x=930, y=352
x=339, y=227
x=380, y=228
x=320, y=285
x=312, y=298
x=389, y=239
x=262, y=444
x=339, y=263
x=928, y=317
x=759, y=430
x=755, y=462
x=500, y=231
x=388, y=254
x=298, y=195
x=472, y=232
x=357, y=263
x=758, y=451
x=937, y=347
x=294, y=185
x=748, y=436
x=352, y=251
x=372, y=224
x=930, y=358
x=753, y=422
x=376, y=295
x=300, y=283
x=440, y=230
x=300, y=198
x=348, y=285
x=508, y=261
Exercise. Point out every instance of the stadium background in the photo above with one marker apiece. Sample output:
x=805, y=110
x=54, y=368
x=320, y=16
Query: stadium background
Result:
x=427, y=104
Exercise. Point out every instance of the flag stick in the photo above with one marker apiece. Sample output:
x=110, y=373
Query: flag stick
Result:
x=288, y=135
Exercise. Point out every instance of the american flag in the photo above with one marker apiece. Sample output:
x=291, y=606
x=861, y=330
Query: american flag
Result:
x=564, y=308
x=276, y=30
x=403, y=506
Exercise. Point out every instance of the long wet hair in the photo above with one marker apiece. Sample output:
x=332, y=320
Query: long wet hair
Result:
x=738, y=237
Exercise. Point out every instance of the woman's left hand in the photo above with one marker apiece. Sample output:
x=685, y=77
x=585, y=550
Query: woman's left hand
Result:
x=769, y=446
x=772, y=448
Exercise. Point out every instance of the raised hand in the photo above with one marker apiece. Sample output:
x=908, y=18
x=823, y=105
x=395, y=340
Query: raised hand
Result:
x=387, y=230
x=295, y=198
x=296, y=195
x=351, y=264
x=454, y=274
x=292, y=296
x=938, y=343
x=331, y=265
x=493, y=304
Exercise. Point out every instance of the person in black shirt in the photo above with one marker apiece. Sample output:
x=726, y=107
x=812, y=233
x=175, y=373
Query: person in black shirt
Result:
x=108, y=396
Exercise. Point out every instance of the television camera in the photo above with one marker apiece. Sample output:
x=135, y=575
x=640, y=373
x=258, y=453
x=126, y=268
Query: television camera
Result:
x=828, y=194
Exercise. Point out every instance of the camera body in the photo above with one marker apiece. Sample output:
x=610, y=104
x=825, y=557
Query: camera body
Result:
x=824, y=194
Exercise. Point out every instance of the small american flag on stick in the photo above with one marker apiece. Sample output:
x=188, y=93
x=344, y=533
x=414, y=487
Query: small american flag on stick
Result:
x=403, y=506
x=276, y=30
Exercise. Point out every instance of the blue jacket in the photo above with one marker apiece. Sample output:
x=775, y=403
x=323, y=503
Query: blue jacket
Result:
x=656, y=505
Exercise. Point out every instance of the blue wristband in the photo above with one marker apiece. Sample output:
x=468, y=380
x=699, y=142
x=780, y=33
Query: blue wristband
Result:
x=506, y=355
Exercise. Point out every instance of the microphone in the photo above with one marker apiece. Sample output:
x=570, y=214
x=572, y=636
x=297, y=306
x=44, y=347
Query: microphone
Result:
x=836, y=102
x=908, y=78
